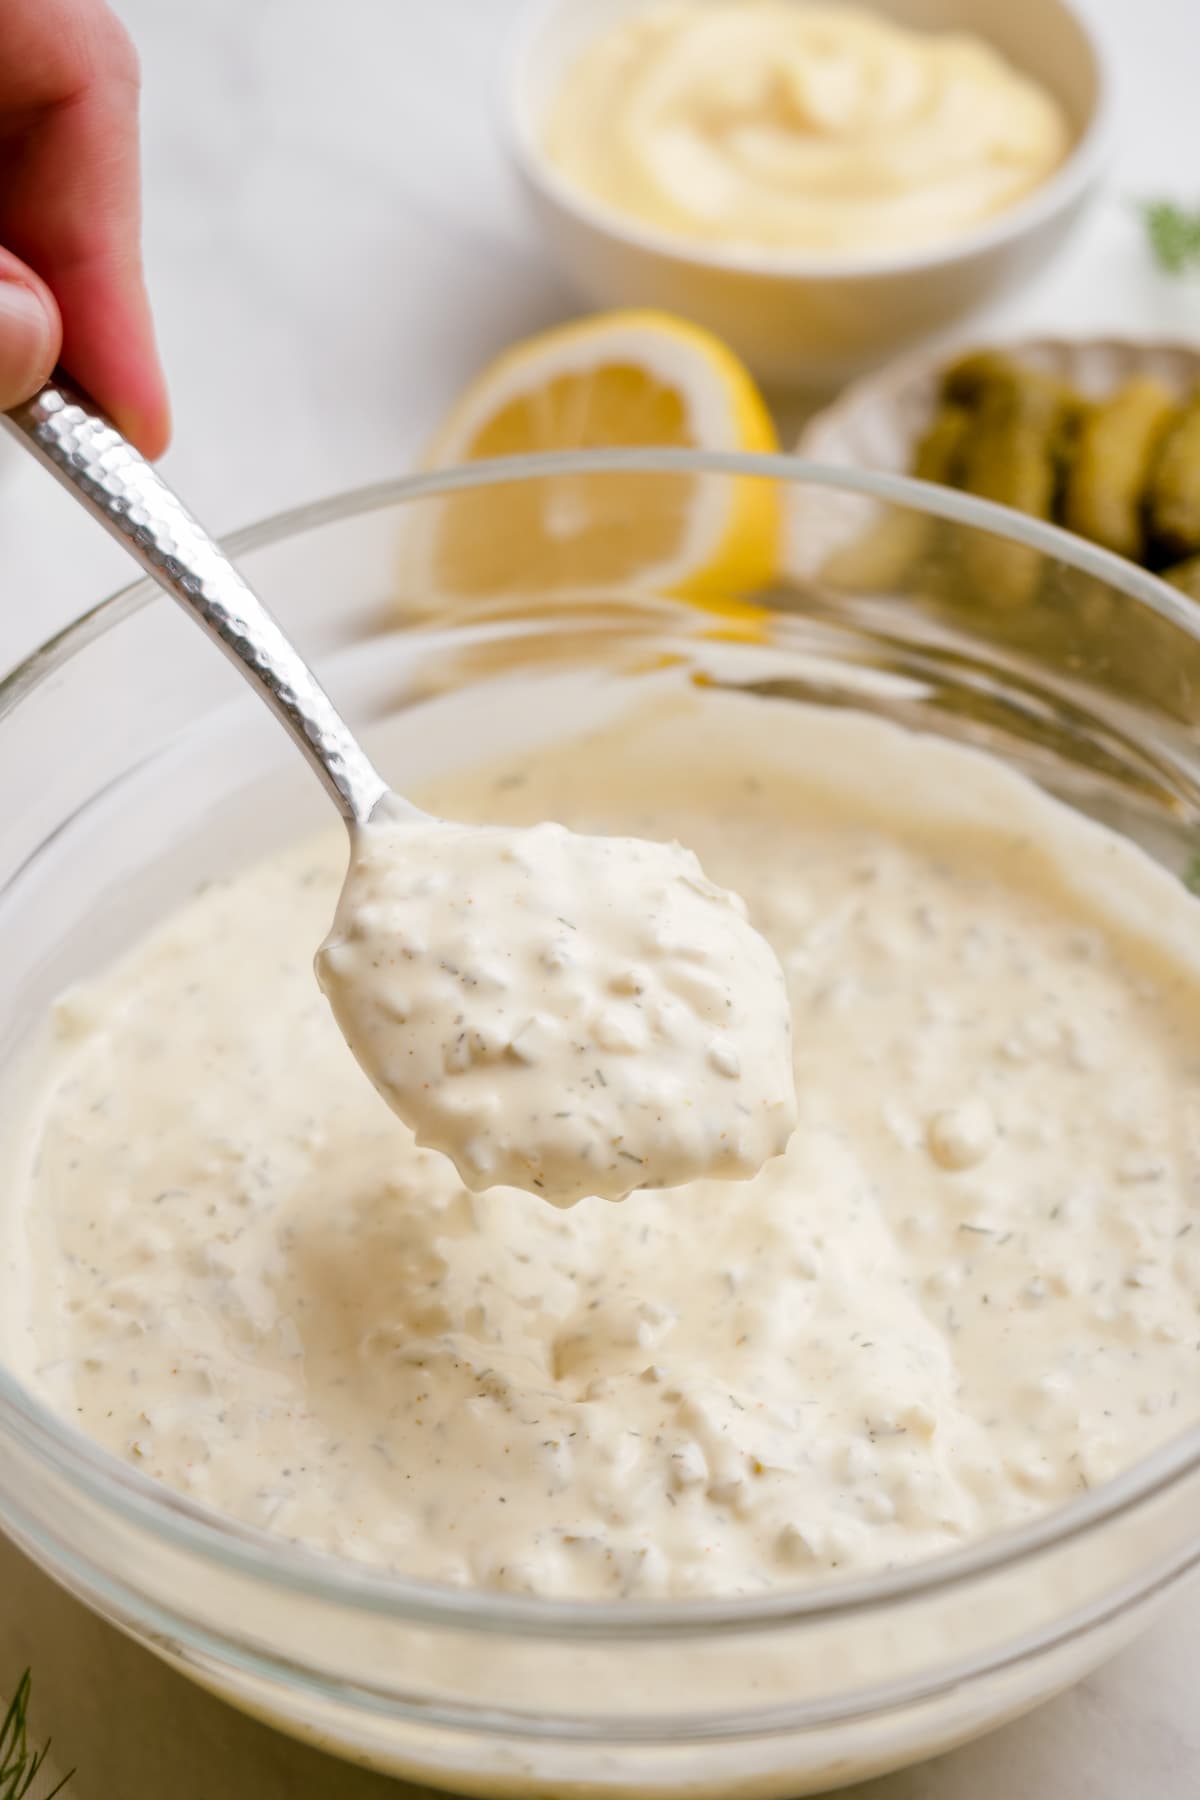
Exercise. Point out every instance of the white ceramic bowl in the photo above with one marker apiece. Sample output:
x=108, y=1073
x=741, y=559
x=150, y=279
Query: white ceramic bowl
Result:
x=801, y=320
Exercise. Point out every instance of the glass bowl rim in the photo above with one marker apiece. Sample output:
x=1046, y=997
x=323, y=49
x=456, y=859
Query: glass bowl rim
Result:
x=245, y=1549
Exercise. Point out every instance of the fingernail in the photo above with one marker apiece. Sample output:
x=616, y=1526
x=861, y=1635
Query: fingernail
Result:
x=26, y=342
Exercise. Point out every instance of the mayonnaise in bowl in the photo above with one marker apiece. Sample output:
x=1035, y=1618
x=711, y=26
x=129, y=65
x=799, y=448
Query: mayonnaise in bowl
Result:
x=811, y=129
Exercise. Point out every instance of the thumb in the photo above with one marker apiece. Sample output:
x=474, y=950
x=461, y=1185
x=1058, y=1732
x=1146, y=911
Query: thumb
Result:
x=30, y=331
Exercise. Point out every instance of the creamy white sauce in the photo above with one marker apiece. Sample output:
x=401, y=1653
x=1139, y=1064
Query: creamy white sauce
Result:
x=969, y=1289
x=575, y=1015
x=821, y=129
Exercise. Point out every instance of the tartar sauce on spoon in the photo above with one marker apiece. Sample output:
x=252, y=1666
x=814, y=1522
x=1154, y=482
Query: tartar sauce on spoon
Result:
x=568, y=1014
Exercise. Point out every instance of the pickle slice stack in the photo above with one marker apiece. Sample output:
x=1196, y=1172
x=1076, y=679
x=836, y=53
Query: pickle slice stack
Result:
x=1122, y=470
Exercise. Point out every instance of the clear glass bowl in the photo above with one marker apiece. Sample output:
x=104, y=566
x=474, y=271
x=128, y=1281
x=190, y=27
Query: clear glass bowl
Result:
x=133, y=764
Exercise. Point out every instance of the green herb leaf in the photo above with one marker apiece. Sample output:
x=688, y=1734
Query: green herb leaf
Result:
x=19, y=1764
x=1174, y=234
x=1191, y=875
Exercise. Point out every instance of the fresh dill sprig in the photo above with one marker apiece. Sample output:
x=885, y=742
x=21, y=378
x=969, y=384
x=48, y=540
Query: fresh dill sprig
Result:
x=19, y=1764
x=1174, y=234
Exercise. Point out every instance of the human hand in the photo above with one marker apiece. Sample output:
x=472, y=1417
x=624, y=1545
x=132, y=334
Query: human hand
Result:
x=71, y=284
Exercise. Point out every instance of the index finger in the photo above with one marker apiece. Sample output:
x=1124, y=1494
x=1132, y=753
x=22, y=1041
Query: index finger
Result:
x=70, y=201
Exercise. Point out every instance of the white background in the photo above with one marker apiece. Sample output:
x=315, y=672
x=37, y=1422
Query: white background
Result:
x=334, y=245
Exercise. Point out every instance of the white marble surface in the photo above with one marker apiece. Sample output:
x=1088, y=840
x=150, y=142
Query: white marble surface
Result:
x=334, y=244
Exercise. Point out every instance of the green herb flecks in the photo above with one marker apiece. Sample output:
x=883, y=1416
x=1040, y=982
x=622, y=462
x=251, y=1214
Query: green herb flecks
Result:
x=19, y=1764
x=1174, y=234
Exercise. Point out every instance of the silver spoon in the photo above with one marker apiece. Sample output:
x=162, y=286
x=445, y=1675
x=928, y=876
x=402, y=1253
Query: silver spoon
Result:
x=113, y=481
x=422, y=1054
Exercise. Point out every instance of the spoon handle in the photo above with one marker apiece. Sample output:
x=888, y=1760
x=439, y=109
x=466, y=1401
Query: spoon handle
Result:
x=88, y=455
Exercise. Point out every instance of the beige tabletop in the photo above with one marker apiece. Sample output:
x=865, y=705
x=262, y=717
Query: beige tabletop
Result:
x=340, y=225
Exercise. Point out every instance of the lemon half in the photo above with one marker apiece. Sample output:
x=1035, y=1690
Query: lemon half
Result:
x=611, y=380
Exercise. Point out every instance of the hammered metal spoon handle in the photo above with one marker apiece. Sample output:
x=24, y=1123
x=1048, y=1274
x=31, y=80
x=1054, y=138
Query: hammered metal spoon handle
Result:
x=108, y=477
